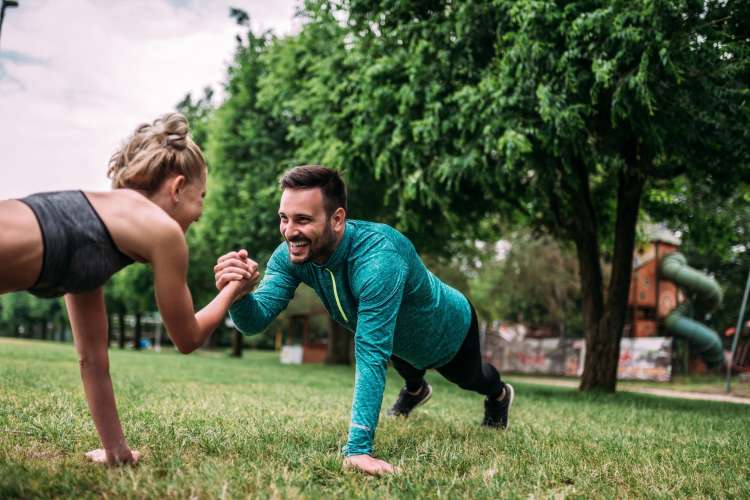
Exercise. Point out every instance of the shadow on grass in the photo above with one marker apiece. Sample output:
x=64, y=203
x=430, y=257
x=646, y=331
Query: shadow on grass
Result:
x=24, y=480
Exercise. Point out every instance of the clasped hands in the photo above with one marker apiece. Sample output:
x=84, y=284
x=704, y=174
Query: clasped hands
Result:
x=236, y=266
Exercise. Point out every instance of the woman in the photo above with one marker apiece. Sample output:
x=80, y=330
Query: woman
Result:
x=70, y=242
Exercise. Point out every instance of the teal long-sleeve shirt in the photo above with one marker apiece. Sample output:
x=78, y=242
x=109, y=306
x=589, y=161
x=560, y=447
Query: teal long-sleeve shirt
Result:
x=376, y=286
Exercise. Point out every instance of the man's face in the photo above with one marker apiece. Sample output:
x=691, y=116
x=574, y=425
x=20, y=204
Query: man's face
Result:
x=307, y=229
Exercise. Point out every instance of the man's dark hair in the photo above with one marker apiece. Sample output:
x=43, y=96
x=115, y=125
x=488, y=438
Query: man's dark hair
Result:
x=315, y=176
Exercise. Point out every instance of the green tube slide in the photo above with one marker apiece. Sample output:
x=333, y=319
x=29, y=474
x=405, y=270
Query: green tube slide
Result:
x=703, y=340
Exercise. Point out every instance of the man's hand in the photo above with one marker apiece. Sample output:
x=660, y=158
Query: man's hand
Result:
x=122, y=457
x=236, y=266
x=370, y=465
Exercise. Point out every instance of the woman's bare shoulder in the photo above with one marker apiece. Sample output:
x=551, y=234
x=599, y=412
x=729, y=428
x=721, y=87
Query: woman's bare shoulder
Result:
x=136, y=224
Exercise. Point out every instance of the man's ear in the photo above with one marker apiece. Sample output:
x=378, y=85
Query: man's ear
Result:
x=175, y=186
x=339, y=219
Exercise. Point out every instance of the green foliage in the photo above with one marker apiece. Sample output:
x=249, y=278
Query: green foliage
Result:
x=22, y=311
x=535, y=282
x=132, y=289
x=247, y=151
x=517, y=97
x=449, y=119
x=554, y=115
x=445, y=115
x=211, y=426
x=198, y=113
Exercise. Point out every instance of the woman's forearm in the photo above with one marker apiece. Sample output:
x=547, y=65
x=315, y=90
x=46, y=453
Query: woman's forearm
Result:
x=212, y=315
x=88, y=319
x=100, y=396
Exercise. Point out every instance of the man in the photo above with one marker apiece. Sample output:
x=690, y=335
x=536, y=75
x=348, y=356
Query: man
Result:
x=371, y=280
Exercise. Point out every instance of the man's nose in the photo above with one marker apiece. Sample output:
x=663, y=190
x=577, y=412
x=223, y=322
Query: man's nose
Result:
x=289, y=230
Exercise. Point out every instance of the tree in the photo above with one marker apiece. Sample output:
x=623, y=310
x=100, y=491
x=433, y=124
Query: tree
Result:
x=536, y=282
x=558, y=114
x=23, y=312
x=134, y=288
x=444, y=116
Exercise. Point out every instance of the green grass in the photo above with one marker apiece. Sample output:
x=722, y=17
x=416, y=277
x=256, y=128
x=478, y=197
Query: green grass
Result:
x=212, y=426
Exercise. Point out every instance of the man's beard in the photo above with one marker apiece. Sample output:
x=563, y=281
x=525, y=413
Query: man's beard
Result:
x=323, y=248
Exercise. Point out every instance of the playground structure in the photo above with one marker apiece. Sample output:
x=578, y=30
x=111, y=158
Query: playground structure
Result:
x=658, y=304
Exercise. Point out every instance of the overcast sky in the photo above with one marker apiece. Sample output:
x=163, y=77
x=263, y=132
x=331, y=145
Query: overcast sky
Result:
x=77, y=76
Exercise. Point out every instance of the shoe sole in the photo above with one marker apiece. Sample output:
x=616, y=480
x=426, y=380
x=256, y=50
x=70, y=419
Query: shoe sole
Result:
x=511, y=395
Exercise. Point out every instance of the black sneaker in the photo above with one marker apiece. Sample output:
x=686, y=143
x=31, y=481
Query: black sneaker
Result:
x=407, y=402
x=497, y=412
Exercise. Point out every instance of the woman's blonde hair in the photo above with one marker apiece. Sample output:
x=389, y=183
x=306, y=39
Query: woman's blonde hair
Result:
x=155, y=152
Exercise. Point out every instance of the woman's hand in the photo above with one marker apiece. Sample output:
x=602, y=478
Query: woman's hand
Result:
x=124, y=456
x=88, y=319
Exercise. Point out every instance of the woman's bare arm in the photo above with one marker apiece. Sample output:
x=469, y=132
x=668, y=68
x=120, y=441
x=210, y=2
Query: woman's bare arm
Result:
x=188, y=330
x=88, y=318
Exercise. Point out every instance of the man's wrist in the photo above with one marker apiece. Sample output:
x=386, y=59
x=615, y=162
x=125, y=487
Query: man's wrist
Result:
x=348, y=452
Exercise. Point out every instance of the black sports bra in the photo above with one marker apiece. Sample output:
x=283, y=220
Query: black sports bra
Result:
x=79, y=253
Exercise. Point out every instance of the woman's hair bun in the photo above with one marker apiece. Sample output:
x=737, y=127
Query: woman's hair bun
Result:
x=155, y=151
x=171, y=130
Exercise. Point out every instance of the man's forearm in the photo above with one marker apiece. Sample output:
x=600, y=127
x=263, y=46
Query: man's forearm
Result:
x=248, y=316
x=368, y=398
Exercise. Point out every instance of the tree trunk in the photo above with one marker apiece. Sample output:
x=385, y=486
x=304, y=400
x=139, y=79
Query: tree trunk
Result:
x=137, y=332
x=583, y=230
x=121, y=333
x=237, y=344
x=603, y=339
x=339, y=345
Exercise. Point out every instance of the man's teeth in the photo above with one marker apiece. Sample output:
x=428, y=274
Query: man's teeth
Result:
x=298, y=243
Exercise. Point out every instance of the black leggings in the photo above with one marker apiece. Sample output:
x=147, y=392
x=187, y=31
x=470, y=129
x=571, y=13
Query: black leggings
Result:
x=465, y=369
